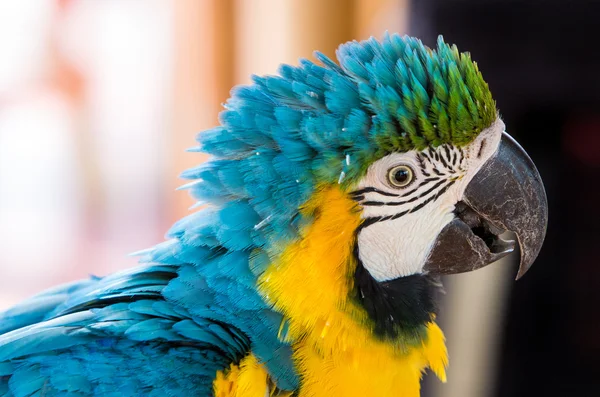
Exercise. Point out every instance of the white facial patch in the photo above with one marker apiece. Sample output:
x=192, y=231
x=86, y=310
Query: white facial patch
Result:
x=400, y=225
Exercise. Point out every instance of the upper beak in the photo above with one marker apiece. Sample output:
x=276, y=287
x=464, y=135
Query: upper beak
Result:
x=507, y=194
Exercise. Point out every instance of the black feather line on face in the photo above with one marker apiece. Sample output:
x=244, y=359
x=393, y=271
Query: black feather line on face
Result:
x=462, y=157
x=432, y=153
x=481, y=149
x=374, y=219
x=360, y=192
x=421, y=161
x=421, y=184
x=443, y=161
x=424, y=194
x=447, y=151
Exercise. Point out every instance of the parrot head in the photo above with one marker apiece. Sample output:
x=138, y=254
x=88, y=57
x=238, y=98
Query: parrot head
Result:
x=353, y=186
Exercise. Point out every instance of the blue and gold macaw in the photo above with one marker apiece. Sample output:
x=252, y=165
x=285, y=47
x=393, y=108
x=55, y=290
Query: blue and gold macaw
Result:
x=336, y=196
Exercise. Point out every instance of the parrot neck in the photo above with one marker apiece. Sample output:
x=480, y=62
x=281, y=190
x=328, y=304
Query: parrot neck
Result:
x=399, y=308
x=337, y=350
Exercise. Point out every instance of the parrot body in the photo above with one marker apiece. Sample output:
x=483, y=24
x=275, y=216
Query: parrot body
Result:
x=333, y=205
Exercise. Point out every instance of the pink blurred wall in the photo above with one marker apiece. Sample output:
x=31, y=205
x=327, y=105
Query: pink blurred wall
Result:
x=85, y=102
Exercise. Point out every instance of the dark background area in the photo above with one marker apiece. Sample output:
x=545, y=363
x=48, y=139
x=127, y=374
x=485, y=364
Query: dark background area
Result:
x=542, y=62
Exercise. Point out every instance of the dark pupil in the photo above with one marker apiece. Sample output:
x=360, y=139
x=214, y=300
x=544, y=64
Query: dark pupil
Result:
x=401, y=176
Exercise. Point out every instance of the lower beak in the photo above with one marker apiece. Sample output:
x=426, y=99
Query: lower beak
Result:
x=507, y=194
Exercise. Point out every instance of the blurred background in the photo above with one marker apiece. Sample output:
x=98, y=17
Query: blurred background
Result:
x=99, y=100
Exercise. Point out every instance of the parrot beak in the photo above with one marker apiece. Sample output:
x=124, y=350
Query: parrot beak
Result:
x=506, y=194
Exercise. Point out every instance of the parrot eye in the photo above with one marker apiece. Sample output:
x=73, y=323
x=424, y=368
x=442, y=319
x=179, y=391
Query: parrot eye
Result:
x=400, y=176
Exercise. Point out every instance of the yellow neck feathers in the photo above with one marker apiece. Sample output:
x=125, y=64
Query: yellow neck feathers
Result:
x=335, y=351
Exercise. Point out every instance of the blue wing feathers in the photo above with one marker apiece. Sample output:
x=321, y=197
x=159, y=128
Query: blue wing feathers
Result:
x=37, y=308
x=203, y=315
x=109, y=323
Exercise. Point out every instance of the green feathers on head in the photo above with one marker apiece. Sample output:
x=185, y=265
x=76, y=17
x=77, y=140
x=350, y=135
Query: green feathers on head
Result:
x=418, y=97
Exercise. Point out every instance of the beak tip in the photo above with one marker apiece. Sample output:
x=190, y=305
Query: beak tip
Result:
x=530, y=244
x=523, y=268
x=526, y=263
x=522, y=271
